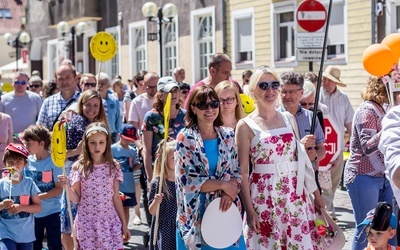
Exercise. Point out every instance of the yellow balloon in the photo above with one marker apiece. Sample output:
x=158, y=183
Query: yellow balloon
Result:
x=7, y=87
x=247, y=103
x=59, y=144
x=103, y=46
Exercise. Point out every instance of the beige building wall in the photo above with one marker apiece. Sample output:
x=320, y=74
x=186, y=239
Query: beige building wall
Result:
x=358, y=38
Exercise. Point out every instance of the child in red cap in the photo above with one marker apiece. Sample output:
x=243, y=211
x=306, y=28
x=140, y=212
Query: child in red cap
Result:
x=18, y=201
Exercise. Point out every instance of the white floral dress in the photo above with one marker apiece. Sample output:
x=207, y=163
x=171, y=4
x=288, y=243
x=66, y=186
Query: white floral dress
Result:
x=286, y=219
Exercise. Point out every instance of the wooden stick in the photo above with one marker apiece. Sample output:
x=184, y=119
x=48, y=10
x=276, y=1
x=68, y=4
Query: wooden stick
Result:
x=71, y=221
x=97, y=77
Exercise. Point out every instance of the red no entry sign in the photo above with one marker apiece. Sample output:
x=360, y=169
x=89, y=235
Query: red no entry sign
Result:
x=311, y=15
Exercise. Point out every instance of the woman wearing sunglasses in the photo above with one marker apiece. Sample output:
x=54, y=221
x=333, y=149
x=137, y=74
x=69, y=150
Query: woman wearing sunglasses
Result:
x=153, y=123
x=206, y=167
x=230, y=103
x=276, y=193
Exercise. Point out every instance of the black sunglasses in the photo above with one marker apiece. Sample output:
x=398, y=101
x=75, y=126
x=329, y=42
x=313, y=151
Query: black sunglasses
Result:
x=275, y=85
x=23, y=82
x=88, y=84
x=204, y=105
x=35, y=86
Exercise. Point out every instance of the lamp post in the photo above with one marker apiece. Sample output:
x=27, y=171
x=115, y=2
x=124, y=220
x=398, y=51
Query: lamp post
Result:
x=22, y=39
x=63, y=28
x=157, y=14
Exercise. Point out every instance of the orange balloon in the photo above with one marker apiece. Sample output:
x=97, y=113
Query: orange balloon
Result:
x=378, y=59
x=393, y=42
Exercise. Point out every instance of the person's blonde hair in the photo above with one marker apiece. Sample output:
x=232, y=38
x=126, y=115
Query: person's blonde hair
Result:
x=86, y=163
x=164, y=147
x=239, y=112
x=258, y=73
x=375, y=91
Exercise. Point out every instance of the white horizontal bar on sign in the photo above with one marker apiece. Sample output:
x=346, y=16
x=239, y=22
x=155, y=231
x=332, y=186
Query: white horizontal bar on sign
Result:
x=311, y=15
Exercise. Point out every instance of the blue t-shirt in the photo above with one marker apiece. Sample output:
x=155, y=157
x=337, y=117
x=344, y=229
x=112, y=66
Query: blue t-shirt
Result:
x=211, y=148
x=44, y=173
x=18, y=227
x=123, y=156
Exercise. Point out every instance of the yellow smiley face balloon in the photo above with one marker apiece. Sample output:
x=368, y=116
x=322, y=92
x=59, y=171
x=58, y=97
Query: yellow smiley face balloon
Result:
x=58, y=145
x=103, y=46
x=7, y=87
x=248, y=103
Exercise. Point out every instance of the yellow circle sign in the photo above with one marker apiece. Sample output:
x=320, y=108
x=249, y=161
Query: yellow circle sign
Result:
x=7, y=87
x=103, y=46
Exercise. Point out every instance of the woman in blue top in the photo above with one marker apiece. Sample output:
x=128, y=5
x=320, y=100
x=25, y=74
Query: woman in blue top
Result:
x=206, y=167
x=153, y=123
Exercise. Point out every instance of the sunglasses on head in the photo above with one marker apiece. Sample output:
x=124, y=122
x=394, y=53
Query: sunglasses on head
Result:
x=23, y=82
x=275, y=85
x=35, y=86
x=204, y=105
x=88, y=84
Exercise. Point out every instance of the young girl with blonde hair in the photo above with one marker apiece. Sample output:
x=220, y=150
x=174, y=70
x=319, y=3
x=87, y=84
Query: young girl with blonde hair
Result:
x=100, y=221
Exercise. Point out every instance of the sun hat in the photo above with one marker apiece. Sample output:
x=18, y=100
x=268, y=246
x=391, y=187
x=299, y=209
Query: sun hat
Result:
x=333, y=73
x=165, y=84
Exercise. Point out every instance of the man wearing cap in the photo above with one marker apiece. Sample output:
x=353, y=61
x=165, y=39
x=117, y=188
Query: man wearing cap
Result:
x=341, y=113
x=23, y=106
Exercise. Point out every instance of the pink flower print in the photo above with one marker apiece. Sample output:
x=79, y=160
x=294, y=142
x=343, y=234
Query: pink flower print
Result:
x=255, y=178
x=285, y=189
x=289, y=231
x=282, y=202
x=261, y=186
x=269, y=202
x=304, y=228
x=294, y=182
x=260, y=161
x=276, y=236
x=298, y=238
x=287, y=138
x=270, y=188
x=294, y=197
x=285, y=219
x=260, y=199
x=265, y=229
x=294, y=221
x=285, y=180
x=279, y=149
x=273, y=139
x=278, y=212
x=252, y=150
x=265, y=215
x=314, y=236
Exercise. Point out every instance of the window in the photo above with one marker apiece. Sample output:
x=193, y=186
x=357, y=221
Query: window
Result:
x=392, y=14
x=336, y=34
x=137, y=45
x=5, y=13
x=113, y=66
x=56, y=53
x=203, y=31
x=243, y=38
x=284, y=26
x=170, y=49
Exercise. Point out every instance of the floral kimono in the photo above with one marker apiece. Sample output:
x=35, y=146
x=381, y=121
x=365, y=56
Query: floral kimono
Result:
x=192, y=170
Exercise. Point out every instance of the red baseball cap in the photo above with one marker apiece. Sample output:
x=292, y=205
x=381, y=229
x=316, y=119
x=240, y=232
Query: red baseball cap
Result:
x=17, y=148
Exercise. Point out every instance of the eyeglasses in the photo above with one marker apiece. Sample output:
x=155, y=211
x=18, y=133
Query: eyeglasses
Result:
x=204, y=105
x=289, y=92
x=275, y=85
x=228, y=100
x=35, y=86
x=89, y=84
x=184, y=92
x=304, y=104
x=23, y=82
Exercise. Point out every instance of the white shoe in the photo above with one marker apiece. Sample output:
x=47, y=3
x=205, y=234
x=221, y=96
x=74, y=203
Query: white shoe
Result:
x=136, y=220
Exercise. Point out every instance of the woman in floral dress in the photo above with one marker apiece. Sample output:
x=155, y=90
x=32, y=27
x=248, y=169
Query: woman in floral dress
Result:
x=279, y=213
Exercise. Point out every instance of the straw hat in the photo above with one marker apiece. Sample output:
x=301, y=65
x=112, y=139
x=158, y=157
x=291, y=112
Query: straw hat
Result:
x=333, y=74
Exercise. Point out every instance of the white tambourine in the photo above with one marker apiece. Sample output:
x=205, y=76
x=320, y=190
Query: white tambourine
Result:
x=221, y=229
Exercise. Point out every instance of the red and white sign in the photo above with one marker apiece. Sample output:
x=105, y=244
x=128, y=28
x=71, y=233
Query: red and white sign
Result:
x=333, y=142
x=311, y=15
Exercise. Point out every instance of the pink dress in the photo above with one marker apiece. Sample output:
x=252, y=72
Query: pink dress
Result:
x=97, y=224
x=286, y=219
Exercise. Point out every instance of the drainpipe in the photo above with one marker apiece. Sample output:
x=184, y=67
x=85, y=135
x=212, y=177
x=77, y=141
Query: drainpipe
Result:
x=373, y=21
x=224, y=26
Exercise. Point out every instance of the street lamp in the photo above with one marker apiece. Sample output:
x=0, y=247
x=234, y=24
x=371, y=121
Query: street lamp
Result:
x=63, y=28
x=23, y=38
x=157, y=14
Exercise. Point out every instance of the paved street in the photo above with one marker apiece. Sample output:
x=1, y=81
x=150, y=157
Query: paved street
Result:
x=344, y=213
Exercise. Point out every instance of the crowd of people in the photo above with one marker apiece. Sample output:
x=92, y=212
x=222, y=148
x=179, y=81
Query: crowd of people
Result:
x=120, y=156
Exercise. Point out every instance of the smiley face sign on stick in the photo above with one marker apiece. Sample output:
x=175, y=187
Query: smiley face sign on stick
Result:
x=103, y=46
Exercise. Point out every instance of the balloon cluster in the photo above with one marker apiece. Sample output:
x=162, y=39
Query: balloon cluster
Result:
x=378, y=59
